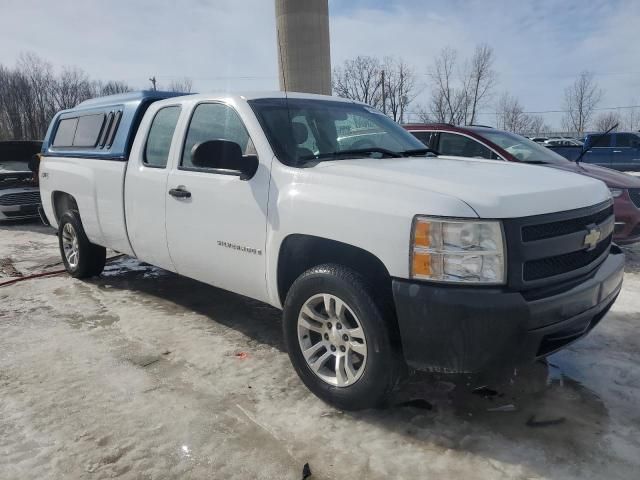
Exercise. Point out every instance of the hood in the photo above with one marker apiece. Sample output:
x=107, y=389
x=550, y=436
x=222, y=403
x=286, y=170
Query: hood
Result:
x=492, y=189
x=612, y=178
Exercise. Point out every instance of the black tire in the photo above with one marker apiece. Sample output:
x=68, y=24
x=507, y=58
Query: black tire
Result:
x=383, y=367
x=91, y=258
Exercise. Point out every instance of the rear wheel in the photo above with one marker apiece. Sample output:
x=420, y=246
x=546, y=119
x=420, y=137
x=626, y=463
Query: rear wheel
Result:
x=338, y=340
x=81, y=258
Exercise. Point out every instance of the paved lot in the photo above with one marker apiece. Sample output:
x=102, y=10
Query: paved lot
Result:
x=144, y=374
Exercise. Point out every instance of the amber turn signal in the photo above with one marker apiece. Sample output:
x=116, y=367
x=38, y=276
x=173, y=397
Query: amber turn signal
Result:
x=421, y=264
x=421, y=235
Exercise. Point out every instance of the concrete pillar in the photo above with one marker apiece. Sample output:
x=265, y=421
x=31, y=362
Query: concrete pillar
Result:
x=304, y=59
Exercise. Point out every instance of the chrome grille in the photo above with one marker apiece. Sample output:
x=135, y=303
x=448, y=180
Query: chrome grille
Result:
x=21, y=198
x=549, y=249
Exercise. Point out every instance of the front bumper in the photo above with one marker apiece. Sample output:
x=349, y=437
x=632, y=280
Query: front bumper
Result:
x=627, y=229
x=456, y=329
x=18, y=212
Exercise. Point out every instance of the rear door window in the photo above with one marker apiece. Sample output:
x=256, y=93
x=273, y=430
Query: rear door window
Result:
x=424, y=137
x=156, y=151
x=461, y=146
x=601, y=142
x=627, y=140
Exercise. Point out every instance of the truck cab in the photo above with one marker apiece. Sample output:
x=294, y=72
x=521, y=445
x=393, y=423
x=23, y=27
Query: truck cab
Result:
x=618, y=150
x=380, y=258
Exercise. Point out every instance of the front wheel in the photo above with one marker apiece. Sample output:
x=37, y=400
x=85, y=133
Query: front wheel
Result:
x=338, y=340
x=81, y=258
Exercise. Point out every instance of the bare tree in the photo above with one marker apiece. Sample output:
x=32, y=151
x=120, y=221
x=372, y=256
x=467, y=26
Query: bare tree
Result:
x=511, y=115
x=606, y=120
x=447, y=101
x=112, y=88
x=631, y=119
x=183, y=85
x=14, y=89
x=423, y=114
x=31, y=94
x=72, y=87
x=359, y=79
x=399, y=85
x=38, y=102
x=480, y=80
x=537, y=126
x=457, y=94
x=581, y=99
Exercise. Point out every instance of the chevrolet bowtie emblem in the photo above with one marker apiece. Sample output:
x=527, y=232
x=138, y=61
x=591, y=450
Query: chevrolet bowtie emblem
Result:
x=592, y=238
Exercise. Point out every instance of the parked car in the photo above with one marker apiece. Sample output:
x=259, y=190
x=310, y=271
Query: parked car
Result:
x=19, y=193
x=620, y=151
x=562, y=141
x=491, y=143
x=539, y=139
x=378, y=257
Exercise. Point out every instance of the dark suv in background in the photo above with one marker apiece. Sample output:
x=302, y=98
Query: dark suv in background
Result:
x=617, y=150
x=493, y=144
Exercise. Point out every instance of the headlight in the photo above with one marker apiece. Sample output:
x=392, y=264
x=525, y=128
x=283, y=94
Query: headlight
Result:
x=616, y=192
x=460, y=251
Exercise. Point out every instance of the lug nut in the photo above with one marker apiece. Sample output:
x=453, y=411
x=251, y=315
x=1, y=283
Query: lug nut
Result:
x=328, y=324
x=345, y=337
x=342, y=349
x=338, y=326
x=326, y=336
x=333, y=348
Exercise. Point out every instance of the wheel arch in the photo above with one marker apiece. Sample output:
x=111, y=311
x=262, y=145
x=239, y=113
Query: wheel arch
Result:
x=63, y=202
x=300, y=252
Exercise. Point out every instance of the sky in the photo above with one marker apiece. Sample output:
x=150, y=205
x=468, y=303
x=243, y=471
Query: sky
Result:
x=540, y=46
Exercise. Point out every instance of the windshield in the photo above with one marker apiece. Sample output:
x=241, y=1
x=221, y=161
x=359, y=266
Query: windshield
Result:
x=522, y=148
x=300, y=130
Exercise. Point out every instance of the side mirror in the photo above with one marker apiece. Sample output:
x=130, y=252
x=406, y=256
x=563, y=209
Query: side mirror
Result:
x=224, y=156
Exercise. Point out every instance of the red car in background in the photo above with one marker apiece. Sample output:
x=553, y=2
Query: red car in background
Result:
x=491, y=143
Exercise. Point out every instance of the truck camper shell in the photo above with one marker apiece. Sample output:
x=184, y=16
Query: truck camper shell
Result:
x=101, y=128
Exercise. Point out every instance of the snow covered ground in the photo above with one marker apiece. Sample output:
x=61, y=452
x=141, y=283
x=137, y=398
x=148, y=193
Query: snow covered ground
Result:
x=144, y=374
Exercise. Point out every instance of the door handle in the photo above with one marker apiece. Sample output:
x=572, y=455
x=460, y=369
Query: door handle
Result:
x=180, y=193
x=617, y=151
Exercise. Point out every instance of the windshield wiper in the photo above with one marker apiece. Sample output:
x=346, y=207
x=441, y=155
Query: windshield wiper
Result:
x=351, y=153
x=419, y=151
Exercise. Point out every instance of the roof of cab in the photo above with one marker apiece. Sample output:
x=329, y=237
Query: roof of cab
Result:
x=256, y=95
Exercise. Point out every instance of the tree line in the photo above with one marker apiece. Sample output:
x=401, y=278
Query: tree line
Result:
x=32, y=92
x=461, y=89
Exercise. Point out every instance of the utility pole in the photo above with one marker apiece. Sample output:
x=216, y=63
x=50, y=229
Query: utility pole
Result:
x=153, y=82
x=304, y=60
x=384, y=94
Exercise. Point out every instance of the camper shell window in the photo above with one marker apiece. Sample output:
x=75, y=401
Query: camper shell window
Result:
x=65, y=133
x=88, y=130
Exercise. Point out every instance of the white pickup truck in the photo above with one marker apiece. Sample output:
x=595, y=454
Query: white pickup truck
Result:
x=379, y=257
